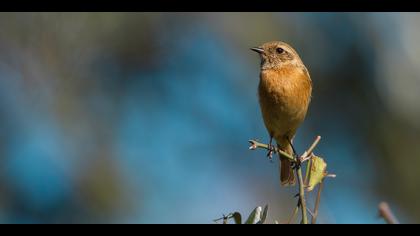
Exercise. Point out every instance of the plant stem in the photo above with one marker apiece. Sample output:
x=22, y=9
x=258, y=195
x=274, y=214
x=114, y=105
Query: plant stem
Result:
x=386, y=213
x=302, y=196
x=317, y=201
x=292, y=218
x=256, y=144
x=306, y=156
x=300, y=180
x=308, y=171
x=312, y=147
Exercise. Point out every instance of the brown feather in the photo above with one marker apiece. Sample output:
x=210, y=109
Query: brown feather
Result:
x=284, y=96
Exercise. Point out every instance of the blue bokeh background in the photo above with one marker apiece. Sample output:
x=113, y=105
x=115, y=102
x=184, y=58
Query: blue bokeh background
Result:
x=145, y=117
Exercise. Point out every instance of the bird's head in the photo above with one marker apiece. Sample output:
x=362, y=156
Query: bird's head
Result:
x=276, y=54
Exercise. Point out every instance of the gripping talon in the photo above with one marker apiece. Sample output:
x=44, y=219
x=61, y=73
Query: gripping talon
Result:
x=270, y=150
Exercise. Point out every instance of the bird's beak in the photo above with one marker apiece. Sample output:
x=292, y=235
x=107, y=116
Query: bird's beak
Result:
x=257, y=49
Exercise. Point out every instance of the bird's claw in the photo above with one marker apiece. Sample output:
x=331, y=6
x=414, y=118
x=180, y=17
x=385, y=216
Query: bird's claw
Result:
x=270, y=152
x=296, y=164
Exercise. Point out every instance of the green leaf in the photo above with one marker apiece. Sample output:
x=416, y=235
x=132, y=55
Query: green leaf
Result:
x=237, y=217
x=318, y=171
x=264, y=215
x=255, y=216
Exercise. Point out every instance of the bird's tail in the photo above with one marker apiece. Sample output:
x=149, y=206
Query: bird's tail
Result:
x=287, y=174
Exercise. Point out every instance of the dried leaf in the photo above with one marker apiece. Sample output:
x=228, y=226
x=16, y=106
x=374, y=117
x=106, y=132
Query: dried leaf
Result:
x=318, y=171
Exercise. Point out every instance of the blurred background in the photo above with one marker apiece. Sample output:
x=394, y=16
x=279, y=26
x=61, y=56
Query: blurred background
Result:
x=145, y=117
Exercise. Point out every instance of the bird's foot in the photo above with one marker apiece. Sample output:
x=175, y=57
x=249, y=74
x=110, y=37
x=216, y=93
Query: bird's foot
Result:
x=270, y=152
x=296, y=164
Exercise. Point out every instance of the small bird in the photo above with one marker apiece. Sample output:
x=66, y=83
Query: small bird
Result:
x=284, y=92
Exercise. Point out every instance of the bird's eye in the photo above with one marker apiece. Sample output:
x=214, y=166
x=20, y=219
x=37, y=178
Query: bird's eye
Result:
x=280, y=50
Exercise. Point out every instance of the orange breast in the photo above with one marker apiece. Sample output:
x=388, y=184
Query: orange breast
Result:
x=284, y=97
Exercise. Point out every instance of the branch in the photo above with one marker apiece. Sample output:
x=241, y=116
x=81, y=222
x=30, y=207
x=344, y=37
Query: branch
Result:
x=292, y=218
x=317, y=201
x=306, y=156
x=302, y=195
x=386, y=213
x=308, y=153
x=256, y=144
x=298, y=161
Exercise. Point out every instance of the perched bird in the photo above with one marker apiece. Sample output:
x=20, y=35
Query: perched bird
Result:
x=284, y=93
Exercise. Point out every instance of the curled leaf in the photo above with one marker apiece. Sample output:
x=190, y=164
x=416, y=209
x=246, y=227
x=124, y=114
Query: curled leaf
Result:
x=317, y=172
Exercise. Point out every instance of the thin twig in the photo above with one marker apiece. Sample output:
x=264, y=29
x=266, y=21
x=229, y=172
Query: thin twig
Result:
x=308, y=153
x=292, y=218
x=300, y=180
x=386, y=213
x=317, y=201
x=256, y=144
x=306, y=156
x=310, y=212
x=302, y=195
x=312, y=147
x=224, y=218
